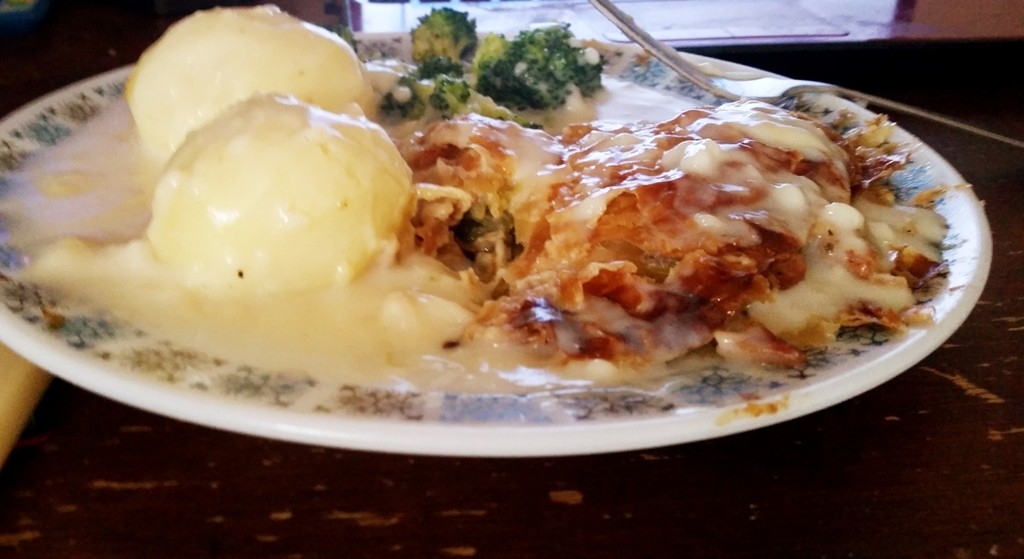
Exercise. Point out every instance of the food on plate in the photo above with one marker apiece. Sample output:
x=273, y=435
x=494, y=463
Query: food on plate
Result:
x=213, y=58
x=473, y=229
x=442, y=40
x=275, y=194
x=641, y=243
x=537, y=69
x=526, y=78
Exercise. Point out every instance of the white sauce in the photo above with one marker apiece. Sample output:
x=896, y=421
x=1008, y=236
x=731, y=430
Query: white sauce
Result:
x=892, y=227
x=782, y=132
x=826, y=291
x=625, y=102
x=698, y=157
x=390, y=325
x=386, y=328
x=829, y=288
x=96, y=185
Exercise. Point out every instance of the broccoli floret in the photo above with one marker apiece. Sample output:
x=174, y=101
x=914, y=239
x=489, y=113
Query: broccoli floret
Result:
x=443, y=32
x=453, y=96
x=442, y=96
x=492, y=47
x=412, y=98
x=536, y=69
x=439, y=65
x=449, y=95
x=408, y=99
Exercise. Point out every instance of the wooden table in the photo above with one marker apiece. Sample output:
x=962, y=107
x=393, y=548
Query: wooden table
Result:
x=931, y=464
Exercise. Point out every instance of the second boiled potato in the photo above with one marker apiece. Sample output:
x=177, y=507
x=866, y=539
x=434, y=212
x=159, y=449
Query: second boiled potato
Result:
x=276, y=195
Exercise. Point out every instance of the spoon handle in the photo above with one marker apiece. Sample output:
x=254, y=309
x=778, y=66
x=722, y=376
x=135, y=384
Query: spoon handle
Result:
x=658, y=49
x=896, y=106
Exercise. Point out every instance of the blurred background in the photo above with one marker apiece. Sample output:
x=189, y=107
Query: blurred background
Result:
x=690, y=22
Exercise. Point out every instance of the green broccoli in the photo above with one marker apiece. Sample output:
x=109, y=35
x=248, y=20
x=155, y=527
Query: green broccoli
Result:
x=446, y=33
x=408, y=99
x=442, y=97
x=438, y=66
x=491, y=48
x=449, y=95
x=413, y=98
x=535, y=69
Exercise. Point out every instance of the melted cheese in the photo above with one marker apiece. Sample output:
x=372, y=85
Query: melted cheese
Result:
x=894, y=227
x=810, y=312
x=393, y=325
x=691, y=221
x=97, y=186
x=777, y=129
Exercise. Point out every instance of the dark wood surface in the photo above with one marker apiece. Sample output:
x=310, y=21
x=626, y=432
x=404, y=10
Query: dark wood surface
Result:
x=930, y=464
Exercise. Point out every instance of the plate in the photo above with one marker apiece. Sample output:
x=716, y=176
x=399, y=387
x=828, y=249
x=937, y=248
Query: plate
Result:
x=126, y=364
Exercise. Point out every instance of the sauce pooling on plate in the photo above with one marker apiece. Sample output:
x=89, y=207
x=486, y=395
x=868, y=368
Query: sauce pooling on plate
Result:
x=405, y=323
x=79, y=211
x=471, y=253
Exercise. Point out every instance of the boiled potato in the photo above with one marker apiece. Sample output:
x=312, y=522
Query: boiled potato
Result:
x=214, y=58
x=277, y=195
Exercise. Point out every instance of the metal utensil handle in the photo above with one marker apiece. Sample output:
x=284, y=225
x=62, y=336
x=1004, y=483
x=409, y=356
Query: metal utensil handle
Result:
x=659, y=50
x=678, y=64
x=897, y=106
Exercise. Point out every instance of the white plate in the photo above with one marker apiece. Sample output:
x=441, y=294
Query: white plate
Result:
x=121, y=362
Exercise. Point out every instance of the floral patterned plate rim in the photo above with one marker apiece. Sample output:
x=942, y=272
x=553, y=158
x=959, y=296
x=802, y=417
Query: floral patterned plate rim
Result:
x=128, y=365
